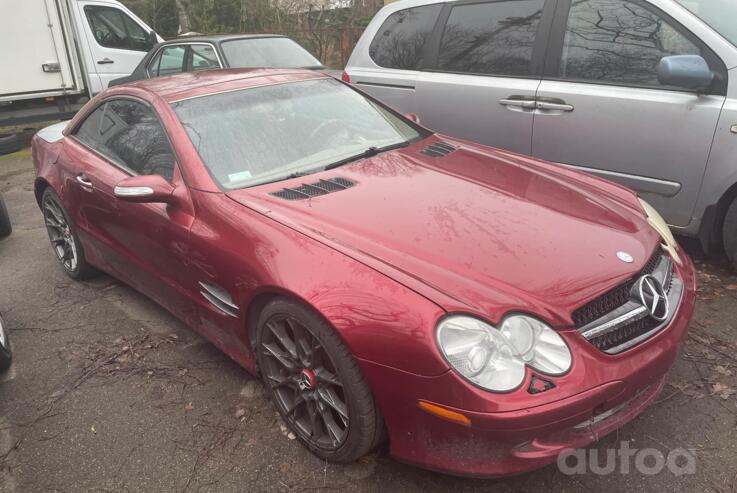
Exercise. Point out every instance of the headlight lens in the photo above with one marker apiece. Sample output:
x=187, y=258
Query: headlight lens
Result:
x=658, y=224
x=495, y=359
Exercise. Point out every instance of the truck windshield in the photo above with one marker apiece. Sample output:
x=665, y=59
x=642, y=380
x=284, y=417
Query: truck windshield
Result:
x=719, y=14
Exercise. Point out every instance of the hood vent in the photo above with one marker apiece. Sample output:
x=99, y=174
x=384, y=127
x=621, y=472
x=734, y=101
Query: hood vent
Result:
x=309, y=190
x=438, y=149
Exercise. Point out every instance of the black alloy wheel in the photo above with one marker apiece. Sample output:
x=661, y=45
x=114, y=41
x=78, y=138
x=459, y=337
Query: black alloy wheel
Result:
x=315, y=383
x=63, y=237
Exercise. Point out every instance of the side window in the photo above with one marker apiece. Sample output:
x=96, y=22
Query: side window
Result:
x=494, y=38
x=401, y=38
x=113, y=28
x=128, y=133
x=620, y=42
x=170, y=60
x=203, y=58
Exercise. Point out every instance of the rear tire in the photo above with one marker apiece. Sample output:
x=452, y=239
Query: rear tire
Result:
x=9, y=143
x=729, y=233
x=315, y=383
x=64, y=239
x=6, y=226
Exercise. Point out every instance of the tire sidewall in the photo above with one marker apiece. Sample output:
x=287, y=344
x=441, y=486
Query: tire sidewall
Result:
x=729, y=233
x=6, y=227
x=6, y=352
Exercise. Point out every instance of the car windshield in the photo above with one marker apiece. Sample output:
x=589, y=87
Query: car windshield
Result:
x=267, y=52
x=274, y=132
x=719, y=14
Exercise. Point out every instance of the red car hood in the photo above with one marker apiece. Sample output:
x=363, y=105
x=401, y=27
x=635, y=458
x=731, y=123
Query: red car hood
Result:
x=477, y=230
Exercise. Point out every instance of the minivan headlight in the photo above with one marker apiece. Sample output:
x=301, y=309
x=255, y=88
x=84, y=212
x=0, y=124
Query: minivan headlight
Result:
x=657, y=222
x=495, y=359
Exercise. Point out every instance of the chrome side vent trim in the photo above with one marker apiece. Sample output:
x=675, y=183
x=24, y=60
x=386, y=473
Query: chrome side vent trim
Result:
x=308, y=190
x=438, y=149
x=219, y=298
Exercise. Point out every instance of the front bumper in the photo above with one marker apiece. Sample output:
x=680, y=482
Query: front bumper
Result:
x=518, y=432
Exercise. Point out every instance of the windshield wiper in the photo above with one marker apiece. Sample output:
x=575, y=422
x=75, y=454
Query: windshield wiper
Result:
x=370, y=152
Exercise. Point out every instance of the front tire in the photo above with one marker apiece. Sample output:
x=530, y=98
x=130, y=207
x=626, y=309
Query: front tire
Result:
x=6, y=226
x=6, y=355
x=315, y=383
x=63, y=238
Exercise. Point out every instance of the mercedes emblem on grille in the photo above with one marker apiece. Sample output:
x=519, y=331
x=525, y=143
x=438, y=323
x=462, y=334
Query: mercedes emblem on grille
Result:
x=653, y=297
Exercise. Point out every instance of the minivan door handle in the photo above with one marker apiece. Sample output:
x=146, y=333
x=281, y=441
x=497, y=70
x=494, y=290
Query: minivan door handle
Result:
x=553, y=105
x=105, y=61
x=523, y=102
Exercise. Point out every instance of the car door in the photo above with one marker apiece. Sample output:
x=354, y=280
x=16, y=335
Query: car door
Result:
x=116, y=41
x=602, y=110
x=143, y=244
x=202, y=56
x=483, y=70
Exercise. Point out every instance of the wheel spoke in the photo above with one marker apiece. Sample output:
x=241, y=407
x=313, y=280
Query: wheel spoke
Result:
x=329, y=397
x=284, y=358
x=334, y=431
x=295, y=404
x=281, y=335
x=327, y=376
x=315, y=429
x=280, y=382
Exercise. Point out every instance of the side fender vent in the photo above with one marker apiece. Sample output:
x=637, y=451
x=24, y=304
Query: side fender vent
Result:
x=438, y=149
x=309, y=190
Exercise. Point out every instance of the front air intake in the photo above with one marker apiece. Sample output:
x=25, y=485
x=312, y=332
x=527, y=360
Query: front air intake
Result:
x=438, y=149
x=309, y=190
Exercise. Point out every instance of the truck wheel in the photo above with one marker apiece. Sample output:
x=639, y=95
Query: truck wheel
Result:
x=5, y=227
x=729, y=233
x=9, y=143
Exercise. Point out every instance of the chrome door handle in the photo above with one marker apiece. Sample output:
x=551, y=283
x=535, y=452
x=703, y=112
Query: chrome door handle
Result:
x=541, y=105
x=105, y=61
x=518, y=103
x=84, y=182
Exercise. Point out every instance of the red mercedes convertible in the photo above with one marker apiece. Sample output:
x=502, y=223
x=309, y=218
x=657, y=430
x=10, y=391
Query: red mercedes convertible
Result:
x=479, y=310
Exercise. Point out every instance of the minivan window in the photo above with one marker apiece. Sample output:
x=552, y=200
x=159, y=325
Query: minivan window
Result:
x=491, y=38
x=620, y=42
x=113, y=28
x=719, y=14
x=400, y=40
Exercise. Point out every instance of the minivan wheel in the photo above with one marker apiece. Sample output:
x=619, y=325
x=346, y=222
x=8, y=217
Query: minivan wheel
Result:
x=729, y=233
x=315, y=383
x=63, y=238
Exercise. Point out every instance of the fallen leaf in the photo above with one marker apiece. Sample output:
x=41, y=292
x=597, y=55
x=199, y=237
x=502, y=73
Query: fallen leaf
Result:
x=731, y=287
x=722, y=390
x=189, y=406
x=93, y=429
x=723, y=371
x=239, y=413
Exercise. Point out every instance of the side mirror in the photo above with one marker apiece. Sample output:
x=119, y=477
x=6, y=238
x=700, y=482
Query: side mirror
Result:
x=413, y=117
x=686, y=71
x=145, y=189
x=152, y=39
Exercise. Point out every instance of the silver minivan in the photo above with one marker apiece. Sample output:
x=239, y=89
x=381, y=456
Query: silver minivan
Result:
x=641, y=92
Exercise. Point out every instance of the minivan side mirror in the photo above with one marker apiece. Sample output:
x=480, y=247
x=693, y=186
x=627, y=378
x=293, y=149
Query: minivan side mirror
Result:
x=145, y=189
x=686, y=71
x=412, y=117
x=153, y=38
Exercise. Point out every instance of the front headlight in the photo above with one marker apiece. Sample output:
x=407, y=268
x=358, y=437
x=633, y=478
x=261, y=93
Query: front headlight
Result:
x=657, y=222
x=495, y=359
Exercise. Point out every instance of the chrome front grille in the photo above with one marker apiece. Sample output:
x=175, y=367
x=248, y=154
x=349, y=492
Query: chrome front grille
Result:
x=631, y=322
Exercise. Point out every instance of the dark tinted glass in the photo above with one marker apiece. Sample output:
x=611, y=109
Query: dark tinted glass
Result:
x=491, y=38
x=619, y=41
x=113, y=28
x=129, y=134
x=402, y=37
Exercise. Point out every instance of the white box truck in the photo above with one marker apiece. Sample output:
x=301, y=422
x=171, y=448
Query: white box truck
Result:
x=56, y=54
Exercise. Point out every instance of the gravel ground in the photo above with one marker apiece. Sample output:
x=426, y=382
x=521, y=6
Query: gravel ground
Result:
x=110, y=393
